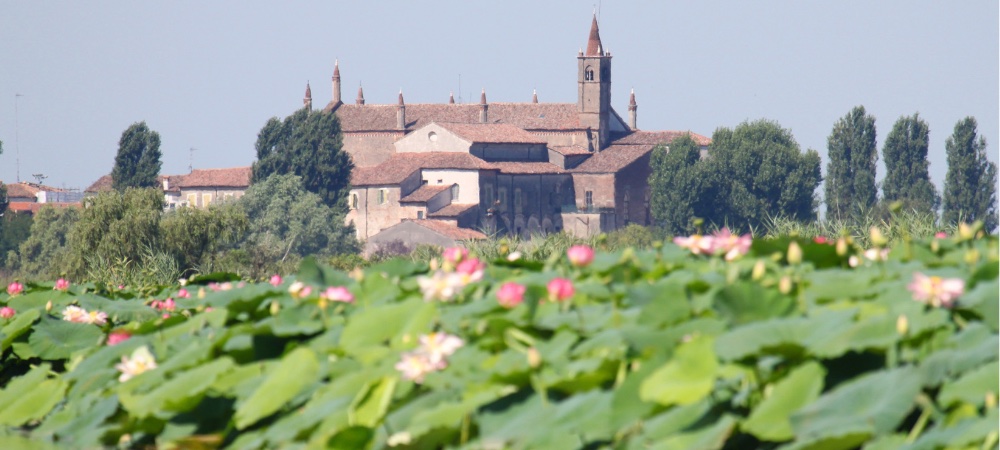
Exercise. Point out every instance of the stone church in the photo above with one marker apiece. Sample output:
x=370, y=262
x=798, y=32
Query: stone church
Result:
x=433, y=172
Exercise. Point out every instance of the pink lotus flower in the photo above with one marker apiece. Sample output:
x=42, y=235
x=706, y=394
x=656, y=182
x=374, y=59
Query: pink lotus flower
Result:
x=454, y=255
x=510, y=295
x=877, y=255
x=580, y=255
x=697, y=244
x=165, y=305
x=338, y=294
x=560, y=289
x=440, y=345
x=729, y=244
x=940, y=235
x=299, y=289
x=140, y=361
x=62, y=284
x=936, y=291
x=117, y=337
x=15, y=288
x=77, y=314
x=821, y=240
x=275, y=280
x=7, y=312
x=416, y=365
x=471, y=267
x=183, y=293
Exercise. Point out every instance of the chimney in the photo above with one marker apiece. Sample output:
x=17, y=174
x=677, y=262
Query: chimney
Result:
x=451, y=98
x=336, y=82
x=631, y=111
x=401, y=113
x=483, y=108
x=534, y=96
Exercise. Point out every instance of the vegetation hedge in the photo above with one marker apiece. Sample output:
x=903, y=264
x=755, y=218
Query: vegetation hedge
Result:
x=793, y=345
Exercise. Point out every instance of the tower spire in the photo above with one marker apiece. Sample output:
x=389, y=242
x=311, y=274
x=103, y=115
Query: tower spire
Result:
x=483, y=108
x=307, y=101
x=361, y=96
x=594, y=47
x=336, y=82
x=631, y=111
x=534, y=96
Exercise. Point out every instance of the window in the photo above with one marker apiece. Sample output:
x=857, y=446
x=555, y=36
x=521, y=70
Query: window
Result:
x=517, y=200
x=381, y=196
x=354, y=201
x=206, y=199
x=454, y=192
x=488, y=195
x=588, y=74
x=192, y=200
x=420, y=214
x=589, y=200
x=503, y=199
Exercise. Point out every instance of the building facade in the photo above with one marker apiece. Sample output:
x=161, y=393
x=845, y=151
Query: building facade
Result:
x=517, y=168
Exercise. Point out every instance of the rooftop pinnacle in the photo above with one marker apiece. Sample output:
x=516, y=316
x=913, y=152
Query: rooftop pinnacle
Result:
x=594, y=47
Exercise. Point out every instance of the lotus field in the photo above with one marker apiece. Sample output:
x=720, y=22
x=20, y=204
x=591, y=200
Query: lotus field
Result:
x=707, y=342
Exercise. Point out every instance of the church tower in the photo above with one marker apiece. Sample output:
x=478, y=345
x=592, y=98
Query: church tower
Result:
x=593, y=104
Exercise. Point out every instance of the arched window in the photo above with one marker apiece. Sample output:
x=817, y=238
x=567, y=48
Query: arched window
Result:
x=454, y=192
x=588, y=74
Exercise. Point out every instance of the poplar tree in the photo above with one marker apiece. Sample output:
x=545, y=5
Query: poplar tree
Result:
x=907, y=178
x=970, y=184
x=677, y=185
x=137, y=163
x=850, y=174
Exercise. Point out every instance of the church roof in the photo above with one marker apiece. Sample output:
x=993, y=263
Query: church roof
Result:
x=614, y=158
x=447, y=229
x=659, y=137
x=401, y=165
x=527, y=116
x=491, y=133
x=424, y=193
x=235, y=177
x=453, y=210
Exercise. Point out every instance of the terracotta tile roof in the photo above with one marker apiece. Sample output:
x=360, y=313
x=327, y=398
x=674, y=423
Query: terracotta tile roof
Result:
x=102, y=184
x=594, y=47
x=235, y=177
x=424, y=193
x=449, y=230
x=33, y=207
x=453, y=210
x=658, y=137
x=31, y=190
x=491, y=133
x=567, y=150
x=527, y=116
x=613, y=158
x=401, y=165
x=521, y=168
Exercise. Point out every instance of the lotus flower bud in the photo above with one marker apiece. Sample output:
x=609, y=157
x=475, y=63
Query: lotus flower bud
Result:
x=275, y=307
x=878, y=239
x=785, y=285
x=841, y=246
x=991, y=400
x=971, y=256
x=759, y=269
x=534, y=358
x=794, y=253
x=48, y=306
x=902, y=325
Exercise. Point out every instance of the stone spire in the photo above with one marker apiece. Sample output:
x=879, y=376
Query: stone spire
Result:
x=631, y=111
x=401, y=113
x=594, y=47
x=336, y=82
x=534, y=96
x=451, y=98
x=483, y=108
x=361, y=96
x=308, y=100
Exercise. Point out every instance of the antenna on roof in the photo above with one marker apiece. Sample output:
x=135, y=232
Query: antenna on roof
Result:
x=191, y=160
x=459, y=88
x=39, y=177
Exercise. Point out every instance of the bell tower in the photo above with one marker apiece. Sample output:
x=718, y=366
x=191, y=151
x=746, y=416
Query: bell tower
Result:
x=594, y=95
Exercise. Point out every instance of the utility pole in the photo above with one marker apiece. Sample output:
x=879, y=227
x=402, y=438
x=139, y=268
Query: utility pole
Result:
x=17, y=137
x=191, y=160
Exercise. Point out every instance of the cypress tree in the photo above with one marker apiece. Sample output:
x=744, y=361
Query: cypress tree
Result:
x=137, y=163
x=850, y=174
x=970, y=185
x=907, y=178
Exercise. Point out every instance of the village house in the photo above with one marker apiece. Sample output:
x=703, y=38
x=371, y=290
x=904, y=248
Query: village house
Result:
x=28, y=198
x=513, y=168
x=200, y=188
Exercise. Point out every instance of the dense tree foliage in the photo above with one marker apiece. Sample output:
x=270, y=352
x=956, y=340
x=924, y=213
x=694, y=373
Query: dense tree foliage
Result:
x=307, y=144
x=14, y=229
x=757, y=171
x=850, y=173
x=116, y=227
x=677, y=185
x=137, y=163
x=196, y=236
x=45, y=254
x=970, y=185
x=907, y=178
x=3, y=192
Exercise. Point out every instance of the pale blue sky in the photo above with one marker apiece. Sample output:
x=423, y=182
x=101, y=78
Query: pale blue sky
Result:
x=207, y=75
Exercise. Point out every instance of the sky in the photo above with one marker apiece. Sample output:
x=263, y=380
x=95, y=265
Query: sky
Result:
x=207, y=75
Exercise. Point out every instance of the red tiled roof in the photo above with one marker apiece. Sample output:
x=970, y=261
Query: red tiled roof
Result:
x=613, y=158
x=424, y=193
x=659, y=137
x=102, y=184
x=449, y=230
x=491, y=133
x=26, y=189
x=567, y=150
x=594, y=40
x=33, y=207
x=235, y=177
x=401, y=165
x=453, y=210
x=527, y=116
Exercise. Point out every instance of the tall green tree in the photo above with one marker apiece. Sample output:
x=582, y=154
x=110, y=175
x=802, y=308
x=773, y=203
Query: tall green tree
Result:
x=756, y=172
x=3, y=190
x=677, y=185
x=907, y=178
x=970, y=185
x=45, y=254
x=116, y=228
x=307, y=144
x=850, y=173
x=137, y=163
